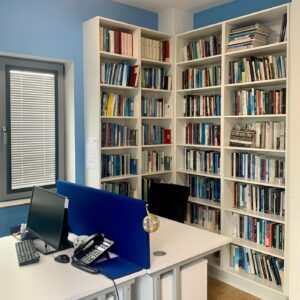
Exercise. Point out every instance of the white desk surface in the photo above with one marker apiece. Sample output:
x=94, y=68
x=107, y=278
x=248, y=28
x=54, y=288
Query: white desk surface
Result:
x=181, y=242
x=47, y=279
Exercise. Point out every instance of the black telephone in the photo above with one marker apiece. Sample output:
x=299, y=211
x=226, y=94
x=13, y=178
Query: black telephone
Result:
x=90, y=251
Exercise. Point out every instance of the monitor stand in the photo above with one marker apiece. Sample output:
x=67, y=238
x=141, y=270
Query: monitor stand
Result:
x=44, y=248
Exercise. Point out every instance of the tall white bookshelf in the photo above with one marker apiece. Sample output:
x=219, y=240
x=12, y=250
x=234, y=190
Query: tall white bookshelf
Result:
x=94, y=56
x=220, y=266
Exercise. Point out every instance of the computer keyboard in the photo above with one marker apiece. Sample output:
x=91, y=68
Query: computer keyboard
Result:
x=26, y=253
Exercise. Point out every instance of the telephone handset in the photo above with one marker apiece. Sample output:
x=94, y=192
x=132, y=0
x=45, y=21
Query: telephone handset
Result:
x=92, y=249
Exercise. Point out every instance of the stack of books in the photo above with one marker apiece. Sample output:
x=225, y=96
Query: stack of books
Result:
x=155, y=161
x=153, y=107
x=121, y=188
x=118, y=165
x=155, y=135
x=156, y=78
x=155, y=50
x=202, y=134
x=116, y=105
x=248, y=37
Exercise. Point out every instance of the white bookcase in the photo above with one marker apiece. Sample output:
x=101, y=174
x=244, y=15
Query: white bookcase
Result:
x=220, y=266
x=93, y=89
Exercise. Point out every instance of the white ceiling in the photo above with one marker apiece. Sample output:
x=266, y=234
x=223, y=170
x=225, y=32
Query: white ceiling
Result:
x=161, y=5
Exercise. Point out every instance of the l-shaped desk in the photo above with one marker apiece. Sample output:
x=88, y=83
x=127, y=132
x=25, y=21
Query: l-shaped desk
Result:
x=49, y=280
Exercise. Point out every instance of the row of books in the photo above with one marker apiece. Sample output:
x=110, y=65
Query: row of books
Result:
x=121, y=188
x=118, y=165
x=155, y=161
x=202, y=48
x=156, y=78
x=146, y=183
x=155, y=49
x=259, y=102
x=248, y=37
x=121, y=74
x=155, y=135
x=259, y=198
x=115, y=135
x=115, y=41
x=259, y=231
x=198, y=78
x=264, y=135
x=153, y=107
x=204, y=187
x=202, y=105
x=258, y=167
x=255, y=263
x=202, y=161
x=202, y=134
x=257, y=68
x=206, y=217
x=114, y=105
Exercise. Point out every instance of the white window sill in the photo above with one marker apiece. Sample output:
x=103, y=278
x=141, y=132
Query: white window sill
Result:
x=14, y=202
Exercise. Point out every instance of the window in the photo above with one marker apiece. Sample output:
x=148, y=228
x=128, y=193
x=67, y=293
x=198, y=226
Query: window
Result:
x=32, y=126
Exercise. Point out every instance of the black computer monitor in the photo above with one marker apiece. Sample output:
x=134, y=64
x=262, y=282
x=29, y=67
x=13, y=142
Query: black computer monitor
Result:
x=47, y=220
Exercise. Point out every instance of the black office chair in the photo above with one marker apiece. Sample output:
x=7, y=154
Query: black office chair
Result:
x=168, y=200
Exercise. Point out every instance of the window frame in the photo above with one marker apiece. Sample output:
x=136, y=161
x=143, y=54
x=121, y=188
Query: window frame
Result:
x=7, y=64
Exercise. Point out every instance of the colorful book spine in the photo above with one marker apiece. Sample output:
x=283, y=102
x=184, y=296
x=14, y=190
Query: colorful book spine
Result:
x=202, y=106
x=257, y=167
x=255, y=263
x=115, y=135
x=259, y=102
x=113, y=105
x=202, y=48
x=155, y=49
x=260, y=231
x=204, y=188
x=201, y=161
x=206, y=217
x=155, y=135
x=202, y=134
x=257, y=69
x=153, y=107
x=121, y=188
x=259, y=198
x=156, y=78
x=117, y=165
x=155, y=161
x=198, y=78
x=146, y=183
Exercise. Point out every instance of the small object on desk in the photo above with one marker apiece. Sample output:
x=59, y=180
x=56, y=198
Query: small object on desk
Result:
x=62, y=258
x=26, y=253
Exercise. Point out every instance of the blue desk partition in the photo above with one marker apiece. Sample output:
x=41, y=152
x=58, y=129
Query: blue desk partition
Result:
x=119, y=218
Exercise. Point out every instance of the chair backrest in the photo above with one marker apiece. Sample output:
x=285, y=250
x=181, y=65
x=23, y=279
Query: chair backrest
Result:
x=168, y=200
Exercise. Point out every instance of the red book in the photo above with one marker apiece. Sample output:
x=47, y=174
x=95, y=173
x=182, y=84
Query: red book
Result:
x=167, y=136
x=134, y=76
x=166, y=51
x=117, y=42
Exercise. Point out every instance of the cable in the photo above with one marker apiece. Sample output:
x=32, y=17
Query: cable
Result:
x=116, y=289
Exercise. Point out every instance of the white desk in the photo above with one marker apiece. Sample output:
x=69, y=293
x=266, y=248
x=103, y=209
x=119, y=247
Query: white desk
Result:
x=50, y=280
x=184, y=245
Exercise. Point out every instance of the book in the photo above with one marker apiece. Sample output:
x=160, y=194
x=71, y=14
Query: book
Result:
x=283, y=33
x=167, y=136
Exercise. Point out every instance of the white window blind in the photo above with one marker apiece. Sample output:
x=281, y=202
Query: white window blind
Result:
x=32, y=129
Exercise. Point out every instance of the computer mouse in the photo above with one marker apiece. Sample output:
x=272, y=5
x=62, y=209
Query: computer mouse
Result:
x=62, y=258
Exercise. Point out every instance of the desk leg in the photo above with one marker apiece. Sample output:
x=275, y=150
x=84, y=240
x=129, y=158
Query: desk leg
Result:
x=127, y=292
x=176, y=283
x=157, y=287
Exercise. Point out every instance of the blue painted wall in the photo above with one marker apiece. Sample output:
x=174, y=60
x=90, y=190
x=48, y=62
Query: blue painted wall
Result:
x=231, y=10
x=53, y=28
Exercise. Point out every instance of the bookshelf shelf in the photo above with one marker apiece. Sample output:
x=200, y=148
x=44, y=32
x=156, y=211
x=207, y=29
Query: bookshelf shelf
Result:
x=281, y=116
x=200, y=118
x=256, y=182
x=271, y=151
x=118, y=148
x=260, y=248
x=257, y=280
x=115, y=56
x=118, y=87
x=118, y=178
x=200, y=90
x=203, y=174
x=199, y=146
x=265, y=83
x=262, y=50
x=200, y=61
x=117, y=118
x=156, y=173
x=156, y=90
x=155, y=62
x=205, y=202
x=260, y=215
x=157, y=118
x=156, y=145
